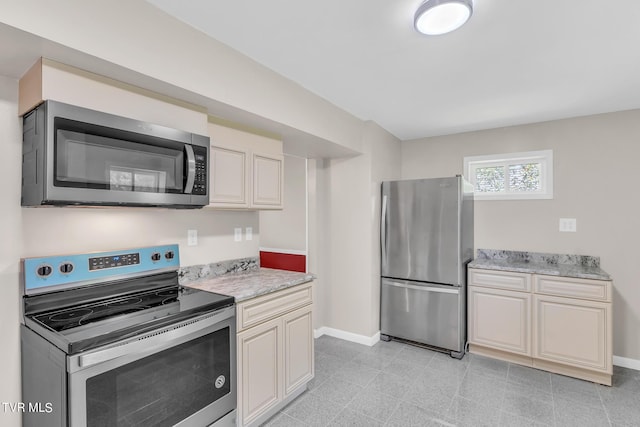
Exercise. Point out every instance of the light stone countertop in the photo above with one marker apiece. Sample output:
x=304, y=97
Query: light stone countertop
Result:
x=244, y=285
x=578, y=266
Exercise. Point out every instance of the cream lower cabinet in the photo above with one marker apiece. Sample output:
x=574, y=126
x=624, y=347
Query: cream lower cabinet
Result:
x=572, y=332
x=559, y=324
x=275, y=352
x=500, y=319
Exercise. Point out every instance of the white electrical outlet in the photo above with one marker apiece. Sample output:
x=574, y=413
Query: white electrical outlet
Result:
x=192, y=237
x=237, y=234
x=248, y=233
x=568, y=225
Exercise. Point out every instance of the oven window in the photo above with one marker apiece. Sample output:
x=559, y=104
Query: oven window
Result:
x=107, y=159
x=164, y=388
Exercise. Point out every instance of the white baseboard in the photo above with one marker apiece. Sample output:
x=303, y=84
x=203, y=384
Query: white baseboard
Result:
x=625, y=362
x=347, y=336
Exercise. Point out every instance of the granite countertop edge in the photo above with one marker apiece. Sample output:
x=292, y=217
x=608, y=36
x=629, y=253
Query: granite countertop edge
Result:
x=561, y=270
x=252, y=283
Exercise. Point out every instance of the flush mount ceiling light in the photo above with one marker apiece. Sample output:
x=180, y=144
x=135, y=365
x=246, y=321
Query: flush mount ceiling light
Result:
x=435, y=17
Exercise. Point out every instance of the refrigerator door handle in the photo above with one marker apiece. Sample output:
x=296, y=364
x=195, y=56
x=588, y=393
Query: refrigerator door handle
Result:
x=383, y=231
x=425, y=288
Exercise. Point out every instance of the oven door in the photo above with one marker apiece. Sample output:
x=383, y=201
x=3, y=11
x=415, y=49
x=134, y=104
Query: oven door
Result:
x=180, y=375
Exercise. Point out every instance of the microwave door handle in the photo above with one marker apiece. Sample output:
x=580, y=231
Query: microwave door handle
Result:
x=191, y=169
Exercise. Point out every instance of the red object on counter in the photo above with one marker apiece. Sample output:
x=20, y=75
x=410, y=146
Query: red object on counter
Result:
x=282, y=261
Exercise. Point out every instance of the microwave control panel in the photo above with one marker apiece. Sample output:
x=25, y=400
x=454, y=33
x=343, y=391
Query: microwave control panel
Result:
x=200, y=182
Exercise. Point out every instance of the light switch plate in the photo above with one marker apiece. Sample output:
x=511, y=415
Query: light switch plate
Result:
x=192, y=237
x=248, y=233
x=568, y=224
x=237, y=234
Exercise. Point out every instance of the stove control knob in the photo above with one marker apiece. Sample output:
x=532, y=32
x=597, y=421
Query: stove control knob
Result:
x=66, y=268
x=169, y=255
x=44, y=270
x=156, y=256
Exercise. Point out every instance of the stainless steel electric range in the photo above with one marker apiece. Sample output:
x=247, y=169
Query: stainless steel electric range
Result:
x=111, y=339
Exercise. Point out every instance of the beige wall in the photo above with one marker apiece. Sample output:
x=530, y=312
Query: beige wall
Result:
x=385, y=165
x=29, y=232
x=352, y=234
x=318, y=237
x=595, y=171
x=10, y=246
x=287, y=229
x=78, y=87
x=49, y=231
x=139, y=37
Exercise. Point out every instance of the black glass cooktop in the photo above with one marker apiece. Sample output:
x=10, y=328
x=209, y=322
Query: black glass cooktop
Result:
x=80, y=315
x=82, y=326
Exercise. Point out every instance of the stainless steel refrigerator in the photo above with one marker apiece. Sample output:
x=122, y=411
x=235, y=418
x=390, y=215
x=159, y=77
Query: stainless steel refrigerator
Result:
x=426, y=242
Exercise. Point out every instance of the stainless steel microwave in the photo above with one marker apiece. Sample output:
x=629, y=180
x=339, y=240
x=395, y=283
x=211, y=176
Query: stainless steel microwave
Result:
x=76, y=156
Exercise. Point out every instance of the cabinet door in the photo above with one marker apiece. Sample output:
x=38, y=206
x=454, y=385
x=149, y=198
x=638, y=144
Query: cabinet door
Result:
x=574, y=332
x=259, y=369
x=229, y=178
x=268, y=177
x=500, y=319
x=298, y=348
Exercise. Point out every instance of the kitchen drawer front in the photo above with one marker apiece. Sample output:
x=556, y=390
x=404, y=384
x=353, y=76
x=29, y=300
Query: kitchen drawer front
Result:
x=595, y=290
x=257, y=310
x=508, y=280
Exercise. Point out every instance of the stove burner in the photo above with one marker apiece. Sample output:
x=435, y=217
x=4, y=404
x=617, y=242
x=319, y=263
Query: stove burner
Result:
x=70, y=315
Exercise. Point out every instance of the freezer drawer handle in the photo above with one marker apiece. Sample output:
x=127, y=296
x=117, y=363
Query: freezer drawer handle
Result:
x=425, y=288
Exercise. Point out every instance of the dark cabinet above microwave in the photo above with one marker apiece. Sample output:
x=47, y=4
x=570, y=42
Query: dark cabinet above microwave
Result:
x=77, y=156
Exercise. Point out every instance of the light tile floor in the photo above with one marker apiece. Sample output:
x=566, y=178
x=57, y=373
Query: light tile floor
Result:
x=395, y=384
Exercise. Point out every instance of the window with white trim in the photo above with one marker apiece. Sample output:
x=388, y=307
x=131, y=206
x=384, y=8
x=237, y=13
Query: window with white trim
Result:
x=526, y=175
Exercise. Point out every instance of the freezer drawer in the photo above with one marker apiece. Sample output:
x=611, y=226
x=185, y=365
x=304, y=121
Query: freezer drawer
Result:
x=426, y=313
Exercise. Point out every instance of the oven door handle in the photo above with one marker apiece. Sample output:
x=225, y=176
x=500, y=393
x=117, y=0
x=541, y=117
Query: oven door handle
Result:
x=152, y=341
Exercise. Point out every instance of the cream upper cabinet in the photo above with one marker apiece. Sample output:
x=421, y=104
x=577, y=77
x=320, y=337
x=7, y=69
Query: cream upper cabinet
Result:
x=559, y=324
x=229, y=186
x=275, y=352
x=268, y=185
x=246, y=170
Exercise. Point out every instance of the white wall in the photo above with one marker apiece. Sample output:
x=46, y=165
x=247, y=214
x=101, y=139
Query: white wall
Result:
x=595, y=176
